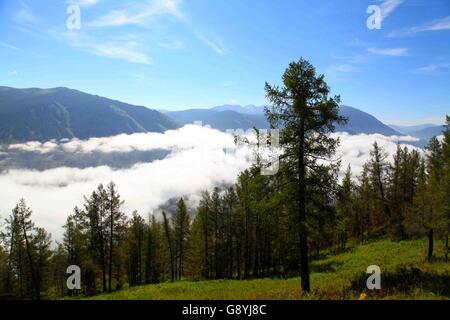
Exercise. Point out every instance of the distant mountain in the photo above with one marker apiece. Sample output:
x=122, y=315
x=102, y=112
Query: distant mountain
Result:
x=362, y=122
x=427, y=133
x=221, y=120
x=44, y=114
x=250, y=109
x=424, y=132
x=227, y=117
x=408, y=129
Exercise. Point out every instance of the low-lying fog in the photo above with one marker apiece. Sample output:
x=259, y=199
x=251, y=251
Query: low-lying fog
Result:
x=149, y=169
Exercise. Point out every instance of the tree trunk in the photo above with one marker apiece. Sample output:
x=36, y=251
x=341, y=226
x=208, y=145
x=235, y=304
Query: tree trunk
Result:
x=430, y=244
x=304, y=263
x=36, y=285
x=111, y=229
x=205, y=230
x=169, y=241
x=180, y=263
x=10, y=258
x=446, y=248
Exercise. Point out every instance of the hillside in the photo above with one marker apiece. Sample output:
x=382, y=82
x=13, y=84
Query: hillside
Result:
x=362, y=122
x=234, y=117
x=405, y=275
x=409, y=129
x=426, y=134
x=44, y=114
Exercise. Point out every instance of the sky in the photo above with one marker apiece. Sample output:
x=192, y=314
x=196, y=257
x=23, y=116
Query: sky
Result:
x=179, y=54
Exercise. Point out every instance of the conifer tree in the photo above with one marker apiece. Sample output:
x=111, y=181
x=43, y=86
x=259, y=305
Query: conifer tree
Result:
x=169, y=241
x=116, y=225
x=344, y=208
x=305, y=114
x=181, y=223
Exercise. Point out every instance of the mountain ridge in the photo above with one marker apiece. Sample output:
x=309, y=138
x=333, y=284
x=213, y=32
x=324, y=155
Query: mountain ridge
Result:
x=359, y=121
x=56, y=113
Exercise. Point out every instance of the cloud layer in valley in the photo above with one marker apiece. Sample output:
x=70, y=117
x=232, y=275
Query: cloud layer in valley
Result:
x=198, y=159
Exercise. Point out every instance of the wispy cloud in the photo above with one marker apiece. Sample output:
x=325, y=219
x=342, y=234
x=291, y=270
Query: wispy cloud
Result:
x=142, y=14
x=435, y=25
x=395, y=52
x=25, y=16
x=343, y=68
x=140, y=78
x=83, y=3
x=172, y=45
x=348, y=63
x=356, y=58
x=388, y=7
x=13, y=72
x=216, y=46
x=123, y=49
x=358, y=43
x=5, y=45
x=435, y=68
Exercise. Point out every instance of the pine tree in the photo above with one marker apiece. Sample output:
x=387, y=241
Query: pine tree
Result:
x=154, y=252
x=96, y=214
x=344, y=208
x=181, y=223
x=378, y=174
x=446, y=154
x=116, y=225
x=437, y=222
x=305, y=113
x=136, y=235
x=169, y=241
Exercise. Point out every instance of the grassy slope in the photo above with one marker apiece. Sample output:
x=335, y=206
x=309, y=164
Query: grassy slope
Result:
x=331, y=278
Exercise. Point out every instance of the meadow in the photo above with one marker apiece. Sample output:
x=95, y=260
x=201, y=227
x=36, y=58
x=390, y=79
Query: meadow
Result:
x=405, y=274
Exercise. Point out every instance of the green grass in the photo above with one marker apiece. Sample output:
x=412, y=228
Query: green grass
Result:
x=403, y=265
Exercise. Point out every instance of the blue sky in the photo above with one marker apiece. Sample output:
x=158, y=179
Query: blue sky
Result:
x=174, y=54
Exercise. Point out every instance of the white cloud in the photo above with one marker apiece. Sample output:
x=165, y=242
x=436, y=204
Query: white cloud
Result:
x=5, y=45
x=357, y=58
x=142, y=14
x=126, y=49
x=343, y=68
x=358, y=43
x=434, y=68
x=355, y=149
x=187, y=137
x=216, y=46
x=396, y=52
x=12, y=72
x=388, y=7
x=197, y=162
x=436, y=25
x=172, y=45
x=83, y=3
x=25, y=16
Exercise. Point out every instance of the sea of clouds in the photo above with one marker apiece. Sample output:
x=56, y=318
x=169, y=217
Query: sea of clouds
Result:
x=198, y=158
